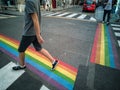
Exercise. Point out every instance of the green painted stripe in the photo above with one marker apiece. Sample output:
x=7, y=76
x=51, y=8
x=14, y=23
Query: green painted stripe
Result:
x=48, y=68
x=107, y=59
x=44, y=65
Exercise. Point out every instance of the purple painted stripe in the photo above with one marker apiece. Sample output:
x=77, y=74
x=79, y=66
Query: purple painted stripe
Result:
x=9, y=54
x=111, y=54
x=117, y=62
x=45, y=77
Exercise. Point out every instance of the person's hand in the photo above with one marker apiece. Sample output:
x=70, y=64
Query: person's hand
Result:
x=40, y=39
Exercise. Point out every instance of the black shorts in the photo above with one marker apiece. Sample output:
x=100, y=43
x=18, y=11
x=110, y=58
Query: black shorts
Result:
x=26, y=41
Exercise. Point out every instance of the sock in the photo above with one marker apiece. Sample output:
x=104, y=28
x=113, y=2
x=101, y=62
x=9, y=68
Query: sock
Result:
x=53, y=62
x=22, y=66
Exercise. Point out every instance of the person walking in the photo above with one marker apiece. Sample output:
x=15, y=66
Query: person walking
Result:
x=107, y=10
x=32, y=34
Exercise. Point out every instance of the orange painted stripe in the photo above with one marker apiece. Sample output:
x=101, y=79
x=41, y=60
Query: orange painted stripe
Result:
x=63, y=65
x=95, y=45
x=98, y=46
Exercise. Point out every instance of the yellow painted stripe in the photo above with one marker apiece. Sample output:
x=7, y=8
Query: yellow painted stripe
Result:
x=102, y=53
x=59, y=69
x=10, y=43
x=66, y=73
x=15, y=45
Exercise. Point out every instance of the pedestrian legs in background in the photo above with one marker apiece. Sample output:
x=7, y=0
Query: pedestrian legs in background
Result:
x=106, y=13
x=117, y=14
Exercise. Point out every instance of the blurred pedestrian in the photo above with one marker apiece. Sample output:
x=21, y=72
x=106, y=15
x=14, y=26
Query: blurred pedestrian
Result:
x=107, y=10
x=118, y=12
x=47, y=5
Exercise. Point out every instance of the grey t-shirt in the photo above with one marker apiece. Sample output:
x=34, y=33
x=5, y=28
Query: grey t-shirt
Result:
x=31, y=6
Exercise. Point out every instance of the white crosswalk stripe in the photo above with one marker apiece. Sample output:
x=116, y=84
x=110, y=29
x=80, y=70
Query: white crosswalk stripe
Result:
x=63, y=14
x=115, y=25
x=72, y=15
x=117, y=34
x=92, y=19
x=82, y=16
x=3, y=16
x=53, y=14
x=44, y=88
x=8, y=76
x=116, y=29
x=119, y=42
x=76, y=16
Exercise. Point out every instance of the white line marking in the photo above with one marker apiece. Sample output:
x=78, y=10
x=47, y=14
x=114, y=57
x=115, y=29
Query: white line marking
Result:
x=119, y=43
x=117, y=34
x=114, y=28
x=3, y=17
x=82, y=16
x=8, y=76
x=62, y=14
x=72, y=15
x=53, y=14
x=92, y=19
x=115, y=25
x=43, y=14
x=44, y=88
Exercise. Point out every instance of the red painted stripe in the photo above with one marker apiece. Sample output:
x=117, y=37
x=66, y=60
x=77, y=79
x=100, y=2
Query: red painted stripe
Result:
x=94, y=48
x=97, y=60
x=66, y=66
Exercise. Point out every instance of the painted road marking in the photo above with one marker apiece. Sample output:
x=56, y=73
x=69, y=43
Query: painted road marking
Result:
x=104, y=51
x=54, y=14
x=82, y=16
x=3, y=16
x=62, y=14
x=44, y=88
x=119, y=42
x=70, y=15
x=92, y=19
x=117, y=34
x=62, y=78
x=116, y=29
x=115, y=25
x=8, y=76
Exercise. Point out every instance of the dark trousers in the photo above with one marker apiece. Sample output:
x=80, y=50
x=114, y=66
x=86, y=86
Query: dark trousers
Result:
x=106, y=13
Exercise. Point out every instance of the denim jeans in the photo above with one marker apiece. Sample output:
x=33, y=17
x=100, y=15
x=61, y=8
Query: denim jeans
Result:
x=106, y=13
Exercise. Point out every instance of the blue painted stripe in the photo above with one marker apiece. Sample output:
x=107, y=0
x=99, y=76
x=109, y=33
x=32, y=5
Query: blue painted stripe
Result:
x=50, y=74
x=9, y=48
x=112, y=63
x=39, y=67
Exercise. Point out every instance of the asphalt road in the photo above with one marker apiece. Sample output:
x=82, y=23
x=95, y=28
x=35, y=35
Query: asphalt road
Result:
x=70, y=41
x=65, y=39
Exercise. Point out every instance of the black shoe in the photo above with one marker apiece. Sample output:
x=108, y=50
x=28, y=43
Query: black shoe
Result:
x=18, y=67
x=54, y=64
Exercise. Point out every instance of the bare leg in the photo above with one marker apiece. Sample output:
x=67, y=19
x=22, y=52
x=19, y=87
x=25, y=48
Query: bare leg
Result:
x=22, y=57
x=47, y=54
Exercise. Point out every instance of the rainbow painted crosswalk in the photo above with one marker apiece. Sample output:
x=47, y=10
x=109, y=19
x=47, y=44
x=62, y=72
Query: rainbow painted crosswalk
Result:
x=63, y=78
x=104, y=50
